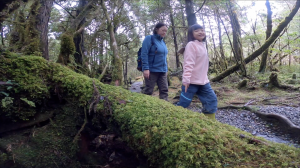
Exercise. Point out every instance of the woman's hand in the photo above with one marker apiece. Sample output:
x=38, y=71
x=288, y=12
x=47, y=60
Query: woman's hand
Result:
x=146, y=74
x=186, y=85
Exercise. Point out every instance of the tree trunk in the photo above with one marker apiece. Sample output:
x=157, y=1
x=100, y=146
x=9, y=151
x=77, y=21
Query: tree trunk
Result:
x=260, y=50
x=42, y=25
x=263, y=63
x=220, y=38
x=189, y=9
x=78, y=37
x=236, y=34
x=254, y=32
x=174, y=38
x=2, y=39
x=217, y=57
x=117, y=61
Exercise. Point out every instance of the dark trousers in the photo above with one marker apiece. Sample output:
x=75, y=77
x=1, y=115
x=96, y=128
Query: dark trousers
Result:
x=159, y=78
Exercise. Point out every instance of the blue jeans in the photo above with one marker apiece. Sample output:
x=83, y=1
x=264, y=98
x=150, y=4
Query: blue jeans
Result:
x=206, y=95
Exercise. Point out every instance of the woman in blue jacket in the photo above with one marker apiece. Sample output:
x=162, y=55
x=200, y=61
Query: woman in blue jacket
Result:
x=154, y=61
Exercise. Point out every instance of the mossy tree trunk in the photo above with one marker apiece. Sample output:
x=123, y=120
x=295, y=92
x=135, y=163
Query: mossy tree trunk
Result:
x=34, y=40
x=167, y=135
x=74, y=32
x=78, y=37
x=236, y=36
x=117, y=61
x=260, y=50
x=7, y=7
x=263, y=63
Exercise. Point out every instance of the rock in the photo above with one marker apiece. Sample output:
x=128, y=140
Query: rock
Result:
x=242, y=84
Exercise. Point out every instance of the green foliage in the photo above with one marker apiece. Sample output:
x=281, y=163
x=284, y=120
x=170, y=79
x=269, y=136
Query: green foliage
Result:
x=30, y=103
x=6, y=102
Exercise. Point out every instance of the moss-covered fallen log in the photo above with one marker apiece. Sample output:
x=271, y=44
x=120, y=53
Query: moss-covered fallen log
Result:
x=169, y=136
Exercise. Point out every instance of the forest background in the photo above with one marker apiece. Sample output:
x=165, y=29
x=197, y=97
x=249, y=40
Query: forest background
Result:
x=101, y=38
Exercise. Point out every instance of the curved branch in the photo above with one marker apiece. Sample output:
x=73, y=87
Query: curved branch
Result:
x=65, y=9
x=200, y=7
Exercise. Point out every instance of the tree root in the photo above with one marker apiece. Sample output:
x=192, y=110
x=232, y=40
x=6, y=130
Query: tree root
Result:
x=274, y=81
x=82, y=127
x=291, y=128
x=253, y=140
x=15, y=126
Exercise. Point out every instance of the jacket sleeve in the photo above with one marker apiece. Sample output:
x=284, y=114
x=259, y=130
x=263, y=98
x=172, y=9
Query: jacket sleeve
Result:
x=145, y=51
x=189, y=62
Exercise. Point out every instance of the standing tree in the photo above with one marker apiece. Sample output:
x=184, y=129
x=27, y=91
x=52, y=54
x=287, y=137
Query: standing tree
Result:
x=264, y=57
x=174, y=36
x=117, y=61
x=236, y=34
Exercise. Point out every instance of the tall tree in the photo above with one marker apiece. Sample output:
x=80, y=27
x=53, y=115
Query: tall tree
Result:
x=174, y=36
x=117, y=61
x=78, y=37
x=263, y=63
x=236, y=34
x=43, y=16
x=189, y=10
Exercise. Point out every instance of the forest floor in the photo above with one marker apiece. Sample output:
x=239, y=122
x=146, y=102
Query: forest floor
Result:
x=264, y=100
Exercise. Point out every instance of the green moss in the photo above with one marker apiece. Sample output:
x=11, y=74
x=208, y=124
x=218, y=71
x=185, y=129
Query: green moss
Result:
x=168, y=135
x=117, y=71
x=48, y=146
x=67, y=49
x=32, y=35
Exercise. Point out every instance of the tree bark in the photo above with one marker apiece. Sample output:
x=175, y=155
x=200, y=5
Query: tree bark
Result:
x=42, y=25
x=78, y=37
x=189, y=9
x=174, y=38
x=260, y=50
x=1, y=29
x=236, y=34
x=263, y=63
x=117, y=62
x=220, y=38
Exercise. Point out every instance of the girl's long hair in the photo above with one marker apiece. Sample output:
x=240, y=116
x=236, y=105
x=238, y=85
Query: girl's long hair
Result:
x=190, y=32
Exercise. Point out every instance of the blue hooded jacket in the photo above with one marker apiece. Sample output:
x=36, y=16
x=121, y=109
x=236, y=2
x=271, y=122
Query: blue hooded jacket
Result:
x=156, y=59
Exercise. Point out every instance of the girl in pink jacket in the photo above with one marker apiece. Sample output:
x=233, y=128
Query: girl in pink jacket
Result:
x=194, y=77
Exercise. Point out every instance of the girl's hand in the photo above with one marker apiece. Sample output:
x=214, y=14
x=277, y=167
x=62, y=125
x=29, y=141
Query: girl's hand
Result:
x=186, y=85
x=146, y=74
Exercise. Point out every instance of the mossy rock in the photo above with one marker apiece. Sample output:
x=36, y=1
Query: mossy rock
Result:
x=168, y=135
x=242, y=84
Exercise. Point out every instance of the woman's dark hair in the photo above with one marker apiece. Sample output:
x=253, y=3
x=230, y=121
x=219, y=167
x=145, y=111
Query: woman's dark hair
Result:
x=157, y=26
x=190, y=32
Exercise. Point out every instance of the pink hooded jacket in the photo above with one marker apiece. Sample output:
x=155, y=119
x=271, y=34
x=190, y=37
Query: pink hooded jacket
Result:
x=195, y=64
